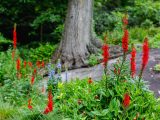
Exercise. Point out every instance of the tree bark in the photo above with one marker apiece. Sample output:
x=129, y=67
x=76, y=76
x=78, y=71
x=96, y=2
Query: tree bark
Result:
x=78, y=41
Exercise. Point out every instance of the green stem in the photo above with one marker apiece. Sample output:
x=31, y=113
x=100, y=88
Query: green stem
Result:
x=105, y=73
x=124, y=113
x=124, y=59
x=140, y=77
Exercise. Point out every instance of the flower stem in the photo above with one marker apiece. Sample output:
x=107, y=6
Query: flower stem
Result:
x=140, y=76
x=124, y=59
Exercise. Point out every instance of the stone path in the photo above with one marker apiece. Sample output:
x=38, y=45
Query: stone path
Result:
x=96, y=72
x=149, y=74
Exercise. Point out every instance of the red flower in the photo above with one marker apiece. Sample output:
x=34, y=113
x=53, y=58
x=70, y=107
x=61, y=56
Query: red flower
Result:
x=29, y=104
x=125, y=20
x=30, y=64
x=14, y=37
x=105, y=54
x=25, y=64
x=32, y=80
x=145, y=56
x=126, y=100
x=43, y=64
x=133, y=63
x=38, y=64
x=125, y=41
x=35, y=71
x=90, y=80
x=49, y=107
x=18, y=64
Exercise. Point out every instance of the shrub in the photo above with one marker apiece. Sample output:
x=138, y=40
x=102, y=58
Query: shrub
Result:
x=42, y=52
x=93, y=60
x=4, y=43
x=157, y=67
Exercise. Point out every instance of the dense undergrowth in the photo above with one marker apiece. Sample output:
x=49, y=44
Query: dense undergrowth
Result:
x=78, y=99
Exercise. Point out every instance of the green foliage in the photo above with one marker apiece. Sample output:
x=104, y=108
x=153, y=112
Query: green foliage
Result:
x=157, y=67
x=34, y=18
x=136, y=36
x=155, y=41
x=108, y=14
x=41, y=52
x=4, y=43
x=93, y=60
x=10, y=112
x=7, y=70
x=45, y=20
x=15, y=86
x=81, y=100
x=143, y=12
x=6, y=110
x=106, y=21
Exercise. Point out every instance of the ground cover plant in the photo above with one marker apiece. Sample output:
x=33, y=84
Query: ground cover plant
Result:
x=119, y=95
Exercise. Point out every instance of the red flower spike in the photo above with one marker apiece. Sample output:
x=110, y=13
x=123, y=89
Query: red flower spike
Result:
x=105, y=54
x=133, y=63
x=35, y=71
x=125, y=20
x=145, y=56
x=18, y=64
x=126, y=100
x=90, y=80
x=14, y=37
x=30, y=64
x=125, y=41
x=25, y=64
x=38, y=64
x=49, y=107
x=43, y=64
x=32, y=80
x=29, y=104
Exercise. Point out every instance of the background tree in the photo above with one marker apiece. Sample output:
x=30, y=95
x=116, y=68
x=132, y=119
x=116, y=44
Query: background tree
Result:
x=78, y=40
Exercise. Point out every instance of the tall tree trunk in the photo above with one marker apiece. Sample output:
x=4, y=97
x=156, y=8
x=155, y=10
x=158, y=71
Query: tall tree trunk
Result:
x=78, y=41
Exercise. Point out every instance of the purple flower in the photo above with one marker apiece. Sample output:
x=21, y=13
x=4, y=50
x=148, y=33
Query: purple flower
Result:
x=49, y=66
x=59, y=64
x=51, y=74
